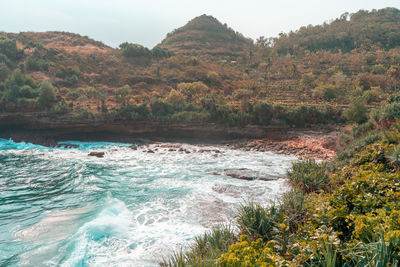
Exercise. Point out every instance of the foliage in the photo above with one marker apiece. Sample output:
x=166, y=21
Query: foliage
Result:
x=357, y=224
x=386, y=114
x=357, y=111
x=247, y=253
x=85, y=115
x=308, y=175
x=47, y=94
x=256, y=221
x=205, y=249
x=346, y=33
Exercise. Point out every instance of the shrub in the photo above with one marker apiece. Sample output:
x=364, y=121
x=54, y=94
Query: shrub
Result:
x=385, y=115
x=62, y=108
x=191, y=116
x=360, y=129
x=263, y=113
x=292, y=205
x=160, y=109
x=193, y=91
x=247, y=253
x=383, y=252
x=357, y=111
x=394, y=158
x=257, y=221
x=85, y=115
x=205, y=249
x=47, y=95
x=132, y=111
x=308, y=175
x=326, y=92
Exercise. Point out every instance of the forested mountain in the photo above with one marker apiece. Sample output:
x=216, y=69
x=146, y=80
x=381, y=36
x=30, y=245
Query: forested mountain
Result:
x=206, y=71
x=205, y=34
x=362, y=29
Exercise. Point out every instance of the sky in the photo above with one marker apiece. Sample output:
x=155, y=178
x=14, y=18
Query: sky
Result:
x=147, y=22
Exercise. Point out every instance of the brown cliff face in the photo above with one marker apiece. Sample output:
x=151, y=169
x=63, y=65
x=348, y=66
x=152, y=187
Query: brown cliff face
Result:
x=41, y=129
x=46, y=130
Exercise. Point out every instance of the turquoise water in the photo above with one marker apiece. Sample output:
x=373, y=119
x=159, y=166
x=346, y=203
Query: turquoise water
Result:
x=60, y=207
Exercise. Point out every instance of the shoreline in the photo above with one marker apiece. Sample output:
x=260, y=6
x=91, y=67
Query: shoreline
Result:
x=317, y=142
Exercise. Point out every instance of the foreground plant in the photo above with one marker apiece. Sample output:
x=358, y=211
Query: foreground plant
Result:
x=205, y=250
x=308, y=175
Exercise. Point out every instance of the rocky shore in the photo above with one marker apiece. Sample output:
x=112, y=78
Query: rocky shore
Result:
x=318, y=143
x=303, y=144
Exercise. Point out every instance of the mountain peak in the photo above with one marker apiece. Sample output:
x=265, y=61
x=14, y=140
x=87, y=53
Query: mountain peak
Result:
x=206, y=35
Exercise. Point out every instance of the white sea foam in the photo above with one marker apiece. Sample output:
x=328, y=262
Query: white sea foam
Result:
x=134, y=206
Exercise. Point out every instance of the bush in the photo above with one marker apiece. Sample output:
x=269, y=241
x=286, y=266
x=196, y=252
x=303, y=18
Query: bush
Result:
x=292, y=205
x=308, y=175
x=205, y=249
x=357, y=111
x=161, y=109
x=85, y=115
x=132, y=111
x=247, y=253
x=257, y=221
x=326, y=92
x=191, y=116
x=385, y=115
x=263, y=113
x=359, y=130
x=47, y=95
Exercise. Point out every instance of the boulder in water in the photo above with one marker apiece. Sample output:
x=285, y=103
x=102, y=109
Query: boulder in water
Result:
x=96, y=154
x=249, y=175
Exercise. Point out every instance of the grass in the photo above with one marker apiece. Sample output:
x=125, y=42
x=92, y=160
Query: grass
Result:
x=257, y=221
x=205, y=250
x=308, y=175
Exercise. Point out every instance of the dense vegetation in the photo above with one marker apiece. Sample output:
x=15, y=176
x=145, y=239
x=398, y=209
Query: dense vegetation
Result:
x=340, y=213
x=350, y=31
x=205, y=34
x=293, y=80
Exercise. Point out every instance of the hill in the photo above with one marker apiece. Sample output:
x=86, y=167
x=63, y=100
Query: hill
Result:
x=204, y=71
x=349, y=31
x=206, y=35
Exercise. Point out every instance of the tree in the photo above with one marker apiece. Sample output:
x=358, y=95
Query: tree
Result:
x=47, y=94
x=193, y=91
x=357, y=111
x=175, y=97
x=394, y=73
x=122, y=93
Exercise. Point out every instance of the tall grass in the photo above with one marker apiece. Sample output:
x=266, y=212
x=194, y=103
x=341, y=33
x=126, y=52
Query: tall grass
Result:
x=205, y=250
x=292, y=205
x=257, y=221
x=308, y=175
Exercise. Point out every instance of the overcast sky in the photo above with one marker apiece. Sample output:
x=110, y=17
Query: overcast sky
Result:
x=148, y=21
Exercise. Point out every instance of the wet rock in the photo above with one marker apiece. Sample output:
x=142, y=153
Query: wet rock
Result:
x=238, y=191
x=133, y=147
x=96, y=154
x=67, y=146
x=187, y=152
x=249, y=175
x=171, y=149
x=150, y=151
